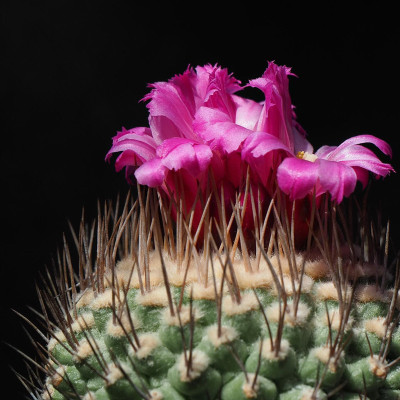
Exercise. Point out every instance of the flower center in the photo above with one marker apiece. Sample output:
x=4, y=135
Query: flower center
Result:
x=303, y=155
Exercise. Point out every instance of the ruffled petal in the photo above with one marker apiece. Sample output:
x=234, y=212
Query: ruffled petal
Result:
x=187, y=85
x=128, y=158
x=337, y=179
x=218, y=130
x=297, y=177
x=277, y=115
x=170, y=115
x=360, y=156
x=219, y=91
x=247, y=112
x=351, y=154
x=152, y=173
x=136, y=146
x=144, y=148
x=324, y=151
x=126, y=133
x=259, y=144
x=180, y=153
x=360, y=139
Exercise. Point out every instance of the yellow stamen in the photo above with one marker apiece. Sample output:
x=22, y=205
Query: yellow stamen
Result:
x=303, y=155
x=300, y=154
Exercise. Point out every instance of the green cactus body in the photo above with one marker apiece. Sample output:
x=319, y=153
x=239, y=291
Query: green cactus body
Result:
x=188, y=355
x=172, y=321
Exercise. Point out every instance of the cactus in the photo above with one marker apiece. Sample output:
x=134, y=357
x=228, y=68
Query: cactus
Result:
x=212, y=286
x=154, y=317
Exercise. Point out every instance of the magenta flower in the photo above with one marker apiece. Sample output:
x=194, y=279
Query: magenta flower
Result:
x=332, y=169
x=198, y=123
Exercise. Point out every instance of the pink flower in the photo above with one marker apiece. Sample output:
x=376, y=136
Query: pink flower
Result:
x=198, y=123
x=332, y=169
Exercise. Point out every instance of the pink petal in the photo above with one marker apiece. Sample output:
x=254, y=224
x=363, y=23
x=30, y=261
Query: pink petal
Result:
x=300, y=143
x=297, y=177
x=218, y=130
x=379, y=143
x=126, y=133
x=163, y=128
x=261, y=169
x=337, y=179
x=180, y=153
x=169, y=112
x=259, y=152
x=170, y=144
x=276, y=117
x=247, y=112
x=144, y=147
x=217, y=169
x=360, y=156
x=259, y=144
x=362, y=176
x=219, y=91
x=325, y=151
x=152, y=173
x=202, y=82
x=185, y=190
x=137, y=145
x=128, y=158
x=236, y=169
x=187, y=85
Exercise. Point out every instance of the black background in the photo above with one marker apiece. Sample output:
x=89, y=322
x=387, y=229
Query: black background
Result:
x=76, y=70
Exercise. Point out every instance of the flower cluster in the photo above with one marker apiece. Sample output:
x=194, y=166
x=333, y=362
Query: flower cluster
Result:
x=198, y=125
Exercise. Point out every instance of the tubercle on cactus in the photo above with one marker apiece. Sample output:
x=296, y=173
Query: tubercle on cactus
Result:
x=158, y=310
